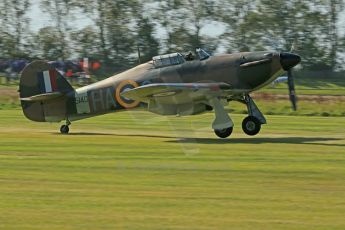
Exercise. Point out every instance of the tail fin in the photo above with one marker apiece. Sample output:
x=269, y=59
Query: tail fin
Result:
x=42, y=92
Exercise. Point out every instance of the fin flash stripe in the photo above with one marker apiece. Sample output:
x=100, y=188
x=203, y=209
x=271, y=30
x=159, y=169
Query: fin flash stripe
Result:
x=47, y=81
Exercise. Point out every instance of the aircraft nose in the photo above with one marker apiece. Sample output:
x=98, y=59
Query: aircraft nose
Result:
x=289, y=60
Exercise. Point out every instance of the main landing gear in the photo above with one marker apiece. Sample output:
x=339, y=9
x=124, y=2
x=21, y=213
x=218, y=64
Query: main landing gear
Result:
x=223, y=125
x=64, y=129
x=223, y=133
x=251, y=126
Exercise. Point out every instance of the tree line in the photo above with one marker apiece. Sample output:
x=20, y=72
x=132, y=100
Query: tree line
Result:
x=120, y=27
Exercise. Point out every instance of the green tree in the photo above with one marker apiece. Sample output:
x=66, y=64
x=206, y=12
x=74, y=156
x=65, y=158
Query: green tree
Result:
x=147, y=43
x=276, y=25
x=114, y=21
x=238, y=17
x=335, y=7
x=48, y=44
x=60, y=11
x=86, y=42
x=183, y=22
x=13, y=26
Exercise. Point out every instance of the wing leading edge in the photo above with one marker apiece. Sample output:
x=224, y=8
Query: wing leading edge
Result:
x=177, y=93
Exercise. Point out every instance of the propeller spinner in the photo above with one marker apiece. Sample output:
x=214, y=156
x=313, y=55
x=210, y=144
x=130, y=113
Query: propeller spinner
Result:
x=288, y=61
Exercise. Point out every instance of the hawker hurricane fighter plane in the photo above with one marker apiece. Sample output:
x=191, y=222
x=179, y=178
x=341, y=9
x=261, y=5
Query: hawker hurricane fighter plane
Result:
x=172, y=84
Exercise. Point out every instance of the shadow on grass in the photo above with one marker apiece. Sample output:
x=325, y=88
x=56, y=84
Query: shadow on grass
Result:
x=85, y=134
x=114, y=134
x=262, y=140
x=253, y=140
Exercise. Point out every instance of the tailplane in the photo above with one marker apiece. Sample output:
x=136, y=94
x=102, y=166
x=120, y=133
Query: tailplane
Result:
x=43, y=92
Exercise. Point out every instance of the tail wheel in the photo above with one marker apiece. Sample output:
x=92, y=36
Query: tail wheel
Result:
x=223, y=133
x=251, y=125
x=64, y=129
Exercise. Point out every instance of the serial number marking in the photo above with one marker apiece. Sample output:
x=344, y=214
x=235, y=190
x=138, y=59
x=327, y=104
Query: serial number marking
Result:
x=82, y=99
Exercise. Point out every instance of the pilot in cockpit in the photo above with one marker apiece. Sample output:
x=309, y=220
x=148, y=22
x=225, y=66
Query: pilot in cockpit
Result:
x=189, y=56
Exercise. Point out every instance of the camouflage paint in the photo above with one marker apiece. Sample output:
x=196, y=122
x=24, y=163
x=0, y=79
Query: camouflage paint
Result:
x=244, y=72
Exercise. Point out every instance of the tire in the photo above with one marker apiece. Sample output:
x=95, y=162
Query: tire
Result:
x=251, y=126
x=64, y=129
x=223, y=133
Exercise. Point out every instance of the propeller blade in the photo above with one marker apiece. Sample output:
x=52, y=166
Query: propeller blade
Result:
x=288, y=61
x=292, y=92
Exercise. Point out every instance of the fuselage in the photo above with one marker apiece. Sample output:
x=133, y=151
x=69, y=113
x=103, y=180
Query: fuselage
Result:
x=244, y=72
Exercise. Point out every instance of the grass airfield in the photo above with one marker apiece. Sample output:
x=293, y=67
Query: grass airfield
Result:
x=136, y=170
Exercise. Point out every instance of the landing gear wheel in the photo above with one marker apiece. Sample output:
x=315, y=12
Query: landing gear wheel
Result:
x=223, y=133
x=64, y=129
x=251, y=126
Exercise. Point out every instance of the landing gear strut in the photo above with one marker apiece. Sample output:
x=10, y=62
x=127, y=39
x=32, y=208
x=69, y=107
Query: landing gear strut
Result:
x=64, y=129
x=222, y=124
x=251, y=125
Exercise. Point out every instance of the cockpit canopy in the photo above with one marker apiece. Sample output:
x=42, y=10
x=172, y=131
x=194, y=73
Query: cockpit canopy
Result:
x=168, y=59
x=177, y=58
x=202, y=54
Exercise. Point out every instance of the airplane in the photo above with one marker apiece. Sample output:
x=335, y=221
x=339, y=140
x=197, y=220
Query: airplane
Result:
x=280, y=80
x=170, y=84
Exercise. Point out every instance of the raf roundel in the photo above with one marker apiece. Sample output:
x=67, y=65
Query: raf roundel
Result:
x=123, y=101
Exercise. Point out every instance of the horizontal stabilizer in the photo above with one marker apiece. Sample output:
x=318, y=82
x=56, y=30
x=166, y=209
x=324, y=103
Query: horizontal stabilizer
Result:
x=43, y=97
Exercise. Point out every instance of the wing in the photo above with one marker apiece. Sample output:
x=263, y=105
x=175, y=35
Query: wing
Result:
x=177, y=93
